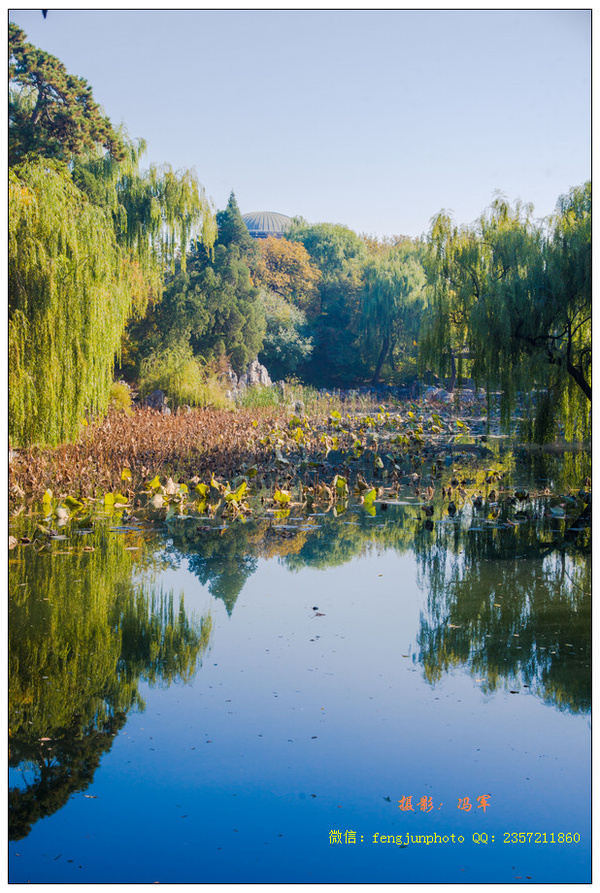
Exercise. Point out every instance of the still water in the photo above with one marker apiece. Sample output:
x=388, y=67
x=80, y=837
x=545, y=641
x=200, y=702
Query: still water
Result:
x=373, y=697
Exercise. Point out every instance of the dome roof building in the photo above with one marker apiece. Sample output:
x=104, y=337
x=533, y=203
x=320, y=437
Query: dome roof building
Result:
x=262, y=224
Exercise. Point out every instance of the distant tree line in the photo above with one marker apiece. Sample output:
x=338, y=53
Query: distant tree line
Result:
x=113, y=269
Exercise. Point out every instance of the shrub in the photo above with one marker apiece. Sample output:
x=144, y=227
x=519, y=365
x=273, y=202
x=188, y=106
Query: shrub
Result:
x=184, y=378
x=120, y=397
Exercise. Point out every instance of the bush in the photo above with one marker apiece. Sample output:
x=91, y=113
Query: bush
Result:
x=120, y=397
x=184, y=378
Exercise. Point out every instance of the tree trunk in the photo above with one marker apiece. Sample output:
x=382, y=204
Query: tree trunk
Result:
x=578, y=378
x=452, y=382
x=381, y=360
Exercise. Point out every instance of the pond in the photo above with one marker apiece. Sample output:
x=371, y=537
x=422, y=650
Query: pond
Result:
x=377, y=692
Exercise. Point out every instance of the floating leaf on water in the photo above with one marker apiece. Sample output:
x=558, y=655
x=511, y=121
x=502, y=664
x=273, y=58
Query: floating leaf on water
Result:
x=71, y=502
x=340, y=484
x=170, y=487
x=237, y=495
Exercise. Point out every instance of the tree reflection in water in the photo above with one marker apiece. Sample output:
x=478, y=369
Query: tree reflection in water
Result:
x=82, y=637
x=508, y=599
x=515, y=618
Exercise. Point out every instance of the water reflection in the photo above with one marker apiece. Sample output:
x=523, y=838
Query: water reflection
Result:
x=514, y=623
x=508, y=584
x=507, y=597
x=81, y=639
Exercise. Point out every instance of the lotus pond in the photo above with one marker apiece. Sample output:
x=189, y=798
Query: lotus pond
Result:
x=385, y=687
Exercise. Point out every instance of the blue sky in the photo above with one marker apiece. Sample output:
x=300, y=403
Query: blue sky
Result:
x=374, y=119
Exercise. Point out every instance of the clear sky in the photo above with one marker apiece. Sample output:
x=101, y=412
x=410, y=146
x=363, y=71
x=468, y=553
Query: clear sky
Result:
x=376, y=119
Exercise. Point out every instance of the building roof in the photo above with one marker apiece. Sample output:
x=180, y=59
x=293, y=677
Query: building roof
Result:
x=266, y=223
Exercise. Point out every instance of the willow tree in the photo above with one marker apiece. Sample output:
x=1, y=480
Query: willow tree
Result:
x=70, y=294
x=90, y=235
x=392, y=298
x=512, y=299
x=569, y=334
x=156, y=212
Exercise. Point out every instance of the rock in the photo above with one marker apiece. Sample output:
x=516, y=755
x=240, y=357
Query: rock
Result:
x=255, y=375
x=156, y=400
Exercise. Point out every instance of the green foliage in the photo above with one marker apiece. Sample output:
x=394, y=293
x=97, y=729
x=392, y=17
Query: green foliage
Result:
x=186, y=379
x=392, y=302
x=260, y=398
x=155, y=212
x=68, y=304
x=211, y=306
x=88, y=244
x=512, y=297
x=233, y=230
x=120, y=397
x=286, y=344
x=51, y=113
x=338, y=253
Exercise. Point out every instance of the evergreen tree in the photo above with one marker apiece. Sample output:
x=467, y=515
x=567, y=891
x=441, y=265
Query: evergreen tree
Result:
x=233, y=230
x=211, y=306
x=51, y=112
